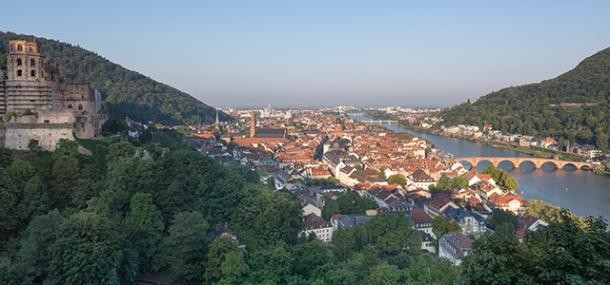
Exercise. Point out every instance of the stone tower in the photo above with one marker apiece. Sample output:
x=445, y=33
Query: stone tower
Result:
x=24, y=61
x=252, y=124
x=26, y=87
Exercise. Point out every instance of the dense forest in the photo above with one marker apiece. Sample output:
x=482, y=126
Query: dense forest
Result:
x=125, y=92
x=575, y=106
x=118, y=215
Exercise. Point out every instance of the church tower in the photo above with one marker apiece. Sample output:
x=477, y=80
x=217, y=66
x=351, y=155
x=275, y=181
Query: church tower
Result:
x=252, y=124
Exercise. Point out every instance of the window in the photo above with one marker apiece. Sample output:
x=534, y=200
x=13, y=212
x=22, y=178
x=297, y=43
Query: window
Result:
x=19, y=62
x=30, y=49
x=32, y=62
x=19, y=47
x=12, y=47
x=80, y=107
x=33, y=73
x=19, y=73
x=70, y=106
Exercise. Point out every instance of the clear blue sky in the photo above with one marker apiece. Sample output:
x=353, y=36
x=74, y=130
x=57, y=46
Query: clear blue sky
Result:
x=327, y=52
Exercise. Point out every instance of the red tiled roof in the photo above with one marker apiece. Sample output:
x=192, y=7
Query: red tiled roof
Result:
x=419, y=215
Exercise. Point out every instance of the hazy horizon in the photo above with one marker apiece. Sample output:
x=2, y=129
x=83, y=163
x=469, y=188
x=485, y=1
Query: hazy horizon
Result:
x=321, y=54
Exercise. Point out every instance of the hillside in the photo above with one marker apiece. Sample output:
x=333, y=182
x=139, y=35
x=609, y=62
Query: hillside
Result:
x=574, y=106
x=125, y=92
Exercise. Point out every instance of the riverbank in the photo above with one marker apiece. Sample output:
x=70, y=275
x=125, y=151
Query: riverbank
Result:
x=538, y=152
x=587, y=194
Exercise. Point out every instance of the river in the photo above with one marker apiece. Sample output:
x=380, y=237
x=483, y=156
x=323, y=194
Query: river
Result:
x=582, y=192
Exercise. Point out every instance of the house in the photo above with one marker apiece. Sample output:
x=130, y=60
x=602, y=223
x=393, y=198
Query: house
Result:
x=318, y=226
x=439, y=203
x=548, y=142
x=485, y=189
x=528, y=224
x=474, y=177
x=310, y=208
x=470, y=222
x=349, y=220
x=422, y=222
x=421, y=179
x=510, y=202
x=385, y=196
x=454, y=246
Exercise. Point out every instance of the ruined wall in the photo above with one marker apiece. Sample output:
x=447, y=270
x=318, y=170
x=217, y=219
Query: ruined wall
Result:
x=48, y=136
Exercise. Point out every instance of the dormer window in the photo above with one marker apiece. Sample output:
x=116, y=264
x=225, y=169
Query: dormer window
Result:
x=19, y=47
x=12, y=47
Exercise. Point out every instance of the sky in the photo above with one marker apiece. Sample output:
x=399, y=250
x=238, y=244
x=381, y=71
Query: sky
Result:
x=321, y=53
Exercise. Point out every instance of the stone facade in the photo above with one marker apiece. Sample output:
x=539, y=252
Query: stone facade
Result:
x=37, y=105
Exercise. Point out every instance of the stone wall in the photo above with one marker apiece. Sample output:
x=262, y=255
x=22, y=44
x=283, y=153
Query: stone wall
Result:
x=48, y=136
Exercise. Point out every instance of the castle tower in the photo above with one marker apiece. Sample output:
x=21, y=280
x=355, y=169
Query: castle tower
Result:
x=252, y=124
x=24, y=61
x=25, y=87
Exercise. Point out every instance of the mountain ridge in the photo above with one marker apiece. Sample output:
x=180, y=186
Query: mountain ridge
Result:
x=125, y=92
x=572, y=106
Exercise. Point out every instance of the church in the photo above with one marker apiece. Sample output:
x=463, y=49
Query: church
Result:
x=37, y=107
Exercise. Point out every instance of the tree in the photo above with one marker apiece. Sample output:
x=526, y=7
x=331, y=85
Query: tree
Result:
x=344, y=244
x=385, y=274
x=494, y=258
x=502, y=178
x=34, y=256
x=88, y=248
x=392, y=234
x=442, y=225
x=218, y=252
x=397, y=179
x=499, y=216
x=330, y=208
x=310, y=258
x=459, y=181
x=186, y=247
x=145, y=225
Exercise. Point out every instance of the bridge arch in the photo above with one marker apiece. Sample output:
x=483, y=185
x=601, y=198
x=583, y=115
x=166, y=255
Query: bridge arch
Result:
x=510, y=164
x=568, y=166
x=522, y=163
x=552, y=163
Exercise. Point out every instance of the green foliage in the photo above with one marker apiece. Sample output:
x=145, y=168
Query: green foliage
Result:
x=445, y=183
x=574, y=106
x=88, y=247
x=502, y=178
x=348, y=202
x=561, y=253
x=397, y=179
x=186, y=246
x=125, y=92
x=145, y=225
x=442, y=225
x=499, y=217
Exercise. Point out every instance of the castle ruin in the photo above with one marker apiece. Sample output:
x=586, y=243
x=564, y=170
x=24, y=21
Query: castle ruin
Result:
x=37, y=106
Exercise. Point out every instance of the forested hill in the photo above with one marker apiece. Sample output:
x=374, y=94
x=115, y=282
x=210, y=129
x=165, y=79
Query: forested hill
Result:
x=573, y=106
x=125, y=92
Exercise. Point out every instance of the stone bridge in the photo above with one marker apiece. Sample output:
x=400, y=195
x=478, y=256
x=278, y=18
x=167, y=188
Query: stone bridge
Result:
x=517, y=161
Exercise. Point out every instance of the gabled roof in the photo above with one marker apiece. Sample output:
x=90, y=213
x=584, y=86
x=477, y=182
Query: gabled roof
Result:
x=419, y=215
x=502, y=201
x=313, y=222
x=421, y=176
